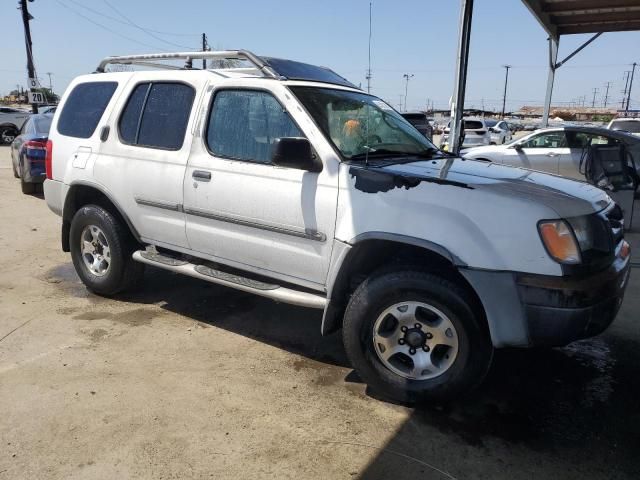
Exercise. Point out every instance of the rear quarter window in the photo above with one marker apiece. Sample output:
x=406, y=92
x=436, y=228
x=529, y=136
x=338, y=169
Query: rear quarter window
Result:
x=84, y=107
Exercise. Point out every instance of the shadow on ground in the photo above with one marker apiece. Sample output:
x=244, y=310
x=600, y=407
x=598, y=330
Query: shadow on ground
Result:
x=564, y=413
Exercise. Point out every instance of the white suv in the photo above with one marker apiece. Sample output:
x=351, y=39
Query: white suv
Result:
x=476, y=133
x=283, y=179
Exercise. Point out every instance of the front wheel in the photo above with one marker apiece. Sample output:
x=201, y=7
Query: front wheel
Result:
x=101, y=249
x=414, y=337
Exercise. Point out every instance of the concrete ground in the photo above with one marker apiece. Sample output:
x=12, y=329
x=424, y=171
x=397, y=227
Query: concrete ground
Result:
x=184, y=379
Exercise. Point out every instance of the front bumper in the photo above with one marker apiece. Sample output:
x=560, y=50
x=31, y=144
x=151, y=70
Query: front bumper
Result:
x=539, y=310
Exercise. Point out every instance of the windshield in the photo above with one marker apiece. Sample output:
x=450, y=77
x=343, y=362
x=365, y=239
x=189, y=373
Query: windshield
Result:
x=362, y=125
x=632, y=126
x=490, y=123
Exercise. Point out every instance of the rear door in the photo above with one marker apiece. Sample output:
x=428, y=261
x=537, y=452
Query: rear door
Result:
x=143, y=160
x=543, y=151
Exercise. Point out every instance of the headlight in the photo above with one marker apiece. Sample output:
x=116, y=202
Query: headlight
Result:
x=559, y=240
x=582, y=229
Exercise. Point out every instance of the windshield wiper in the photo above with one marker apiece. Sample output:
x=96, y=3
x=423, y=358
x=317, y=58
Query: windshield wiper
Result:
x=382, y=152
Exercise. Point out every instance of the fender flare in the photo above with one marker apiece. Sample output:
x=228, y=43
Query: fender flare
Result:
x=69, y=198
x=331, y=319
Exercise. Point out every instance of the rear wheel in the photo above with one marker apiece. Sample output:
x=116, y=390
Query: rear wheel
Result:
x=413, y=337
x=26, y=187
x=101, y=250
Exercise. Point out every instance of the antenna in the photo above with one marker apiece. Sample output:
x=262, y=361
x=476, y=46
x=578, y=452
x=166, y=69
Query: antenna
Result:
x=369, y=64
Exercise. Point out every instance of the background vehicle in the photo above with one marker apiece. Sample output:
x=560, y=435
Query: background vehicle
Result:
x=11, y=120
x=28, y=151
x=476, y=133
x=499, y=131
x=420, y=121
x=47, y=109
x=631, y=125
x=284, y=180
x=557, y=150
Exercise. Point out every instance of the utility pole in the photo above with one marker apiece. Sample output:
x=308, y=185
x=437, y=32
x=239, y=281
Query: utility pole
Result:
x=27, y=40
x=606, y=95
x=633, y=71
x=400, y=104
x=627, y=74
x=369, y=64
x=50, y=83
x=406, y=76
x=595, y=92
x=506, y=81
x=204, y=49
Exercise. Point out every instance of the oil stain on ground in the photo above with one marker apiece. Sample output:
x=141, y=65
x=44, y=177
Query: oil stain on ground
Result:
x=133, y=318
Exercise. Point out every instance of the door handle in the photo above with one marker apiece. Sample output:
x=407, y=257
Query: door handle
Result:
x=552, y=154
x=201, y=175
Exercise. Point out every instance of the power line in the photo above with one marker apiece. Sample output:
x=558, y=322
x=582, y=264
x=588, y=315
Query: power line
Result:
x=104, y=15
x=107, y=28
x=142, y=29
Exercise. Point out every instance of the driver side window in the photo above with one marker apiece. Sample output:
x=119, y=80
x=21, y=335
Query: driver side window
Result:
x=243, y=125
x=546, y=140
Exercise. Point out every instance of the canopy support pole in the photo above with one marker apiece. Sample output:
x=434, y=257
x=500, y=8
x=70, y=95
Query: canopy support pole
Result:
x=457, y=108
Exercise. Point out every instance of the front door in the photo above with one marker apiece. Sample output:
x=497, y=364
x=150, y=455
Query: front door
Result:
x=247, y=212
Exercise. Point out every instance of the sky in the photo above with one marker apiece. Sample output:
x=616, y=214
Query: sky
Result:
x=417, y=37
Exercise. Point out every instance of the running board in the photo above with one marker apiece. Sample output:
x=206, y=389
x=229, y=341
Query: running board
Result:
x=212, y=275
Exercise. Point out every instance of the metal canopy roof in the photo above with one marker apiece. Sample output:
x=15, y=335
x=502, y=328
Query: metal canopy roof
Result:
x=566, y=17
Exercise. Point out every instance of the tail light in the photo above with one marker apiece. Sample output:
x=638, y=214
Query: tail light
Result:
x=48, y=160
x=35, y=149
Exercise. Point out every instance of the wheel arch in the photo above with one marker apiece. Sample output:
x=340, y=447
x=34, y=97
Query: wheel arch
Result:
x=84, y=193
x=375, y=251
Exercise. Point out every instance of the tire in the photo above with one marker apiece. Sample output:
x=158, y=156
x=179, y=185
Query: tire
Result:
x=26, y=187
x=8, y=135
x=113, y=268
x=385, y=292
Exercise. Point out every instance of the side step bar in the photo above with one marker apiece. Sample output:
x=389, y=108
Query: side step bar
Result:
x=208, y=274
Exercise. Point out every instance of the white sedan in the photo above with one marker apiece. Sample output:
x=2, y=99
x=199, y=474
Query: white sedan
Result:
x=555, y=150
x=499, y=131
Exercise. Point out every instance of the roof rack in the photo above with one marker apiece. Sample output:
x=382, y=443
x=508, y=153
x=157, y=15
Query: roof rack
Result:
x=150, y=60
x=276, y=68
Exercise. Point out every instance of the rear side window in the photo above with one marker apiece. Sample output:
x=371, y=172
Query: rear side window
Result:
x=473, y=125
x=84, y=108
x=243, y=125
x=156, y=115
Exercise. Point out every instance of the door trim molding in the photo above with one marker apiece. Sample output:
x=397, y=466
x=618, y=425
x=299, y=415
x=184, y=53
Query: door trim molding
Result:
x=307, y=233
x=174, y=207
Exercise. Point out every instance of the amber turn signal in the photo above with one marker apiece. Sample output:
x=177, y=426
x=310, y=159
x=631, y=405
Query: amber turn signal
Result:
x=560, y=242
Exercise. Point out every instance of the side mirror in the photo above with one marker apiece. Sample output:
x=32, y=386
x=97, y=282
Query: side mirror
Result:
x=518, y=146
x=294, y=152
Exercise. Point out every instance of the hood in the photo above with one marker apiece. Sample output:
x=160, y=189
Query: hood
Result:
x=568, y=198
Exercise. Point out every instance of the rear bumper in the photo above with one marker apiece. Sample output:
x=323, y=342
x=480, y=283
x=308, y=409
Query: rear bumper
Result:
x=539, y=310
x=54, y=195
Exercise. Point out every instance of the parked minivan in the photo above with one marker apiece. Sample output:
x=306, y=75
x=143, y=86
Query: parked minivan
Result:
x=283, y=179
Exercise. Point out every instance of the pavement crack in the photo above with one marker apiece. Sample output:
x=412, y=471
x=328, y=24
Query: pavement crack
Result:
x=17, y=328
